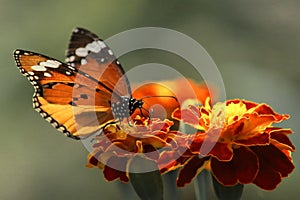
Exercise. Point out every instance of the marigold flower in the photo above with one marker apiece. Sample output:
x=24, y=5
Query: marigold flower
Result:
x=182, y=89
x=245, y=147
x=114, y=149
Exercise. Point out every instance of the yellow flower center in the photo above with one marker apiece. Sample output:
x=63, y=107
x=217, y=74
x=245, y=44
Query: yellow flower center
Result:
x=234, y=112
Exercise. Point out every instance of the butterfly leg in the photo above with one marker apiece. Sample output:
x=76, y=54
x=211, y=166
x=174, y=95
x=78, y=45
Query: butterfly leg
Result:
x=147, y=111
x=128, y=121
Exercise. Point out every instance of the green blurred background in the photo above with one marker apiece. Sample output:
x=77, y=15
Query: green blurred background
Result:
x=255, y=44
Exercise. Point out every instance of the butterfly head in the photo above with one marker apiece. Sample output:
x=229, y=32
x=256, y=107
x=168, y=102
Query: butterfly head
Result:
x=134, y=104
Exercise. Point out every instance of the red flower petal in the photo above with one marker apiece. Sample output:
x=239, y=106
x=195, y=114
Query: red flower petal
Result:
x=151, y=152
x=249, y=125
x=267, y=179
x=111, y=174
x=154, y=141
x=264, y=109
x=168, y=161
x=189, y=116
x=92, y=161
x=222, y=151
x=275, y=158
x=241, y=169
x=190, y=170
x=161, y=125
x=273, y=164
x=281, y=137
x=259, y=139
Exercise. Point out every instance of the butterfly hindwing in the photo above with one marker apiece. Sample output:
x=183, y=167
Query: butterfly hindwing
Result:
x=72, y=101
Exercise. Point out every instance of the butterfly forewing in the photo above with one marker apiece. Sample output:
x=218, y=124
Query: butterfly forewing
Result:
x=90, y=55
x=72, y=101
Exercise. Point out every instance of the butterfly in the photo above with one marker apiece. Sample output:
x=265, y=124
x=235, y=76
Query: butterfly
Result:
x=83, y=94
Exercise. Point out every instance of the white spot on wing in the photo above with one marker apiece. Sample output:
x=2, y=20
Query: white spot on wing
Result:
x=55, y=124
x=83, y=61
x=50, y=63
x=93, y=47
x=101, y=44
x=71, y=68
x=81, y=52
x=47, y=74
x=70, y=59
x=43, y=115
x=75, y=30
x=110, y=52
x=38, y=68
x=61, y=128
x=68, y=73
x=48, y=119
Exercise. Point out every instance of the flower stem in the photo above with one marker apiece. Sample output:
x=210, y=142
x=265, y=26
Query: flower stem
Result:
x=228, y=192
x=202, y=185
x=170, y=188
x=147, y=184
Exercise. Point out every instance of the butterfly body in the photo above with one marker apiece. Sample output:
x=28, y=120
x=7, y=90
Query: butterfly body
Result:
x=84, y=94
x=126, y=107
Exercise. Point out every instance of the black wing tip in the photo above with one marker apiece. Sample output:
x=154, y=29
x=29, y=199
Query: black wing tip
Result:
x=80, y=30
x=77, y=28
x=18, y=52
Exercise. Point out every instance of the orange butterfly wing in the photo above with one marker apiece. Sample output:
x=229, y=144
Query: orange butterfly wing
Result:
x=76, y=97
x=77, y=113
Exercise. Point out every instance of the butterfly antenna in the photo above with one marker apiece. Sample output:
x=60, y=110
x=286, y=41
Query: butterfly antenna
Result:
x=157, y=96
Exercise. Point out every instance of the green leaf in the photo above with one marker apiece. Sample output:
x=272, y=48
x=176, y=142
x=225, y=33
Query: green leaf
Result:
x=228, y=192
x=145, y=178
